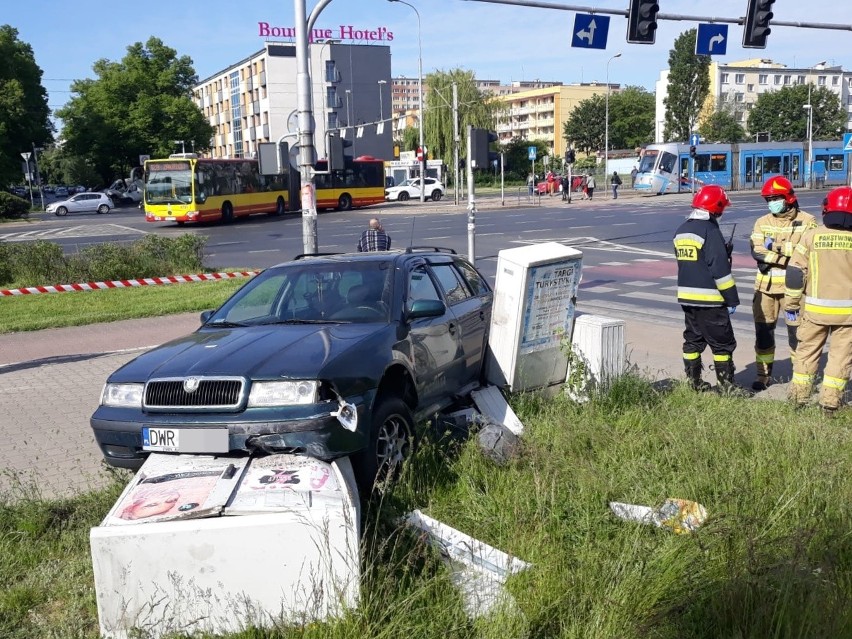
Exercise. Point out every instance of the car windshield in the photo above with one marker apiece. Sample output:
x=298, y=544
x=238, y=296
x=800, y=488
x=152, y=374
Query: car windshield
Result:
x=305, y=292
x=410, y=183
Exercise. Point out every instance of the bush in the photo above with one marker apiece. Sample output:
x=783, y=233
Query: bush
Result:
x=13, y=207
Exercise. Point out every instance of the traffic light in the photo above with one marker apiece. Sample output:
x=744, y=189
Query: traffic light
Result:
x=642, y=21
x=336, y=159
x=756, y=28
x=480, y=141
x=692, y=151
x=570, y=156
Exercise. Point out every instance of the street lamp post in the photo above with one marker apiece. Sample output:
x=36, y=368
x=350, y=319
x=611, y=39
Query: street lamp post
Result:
x=381, y=105
x=810, y=108
x=420, y=99
x=606, y=120
x=348, y=112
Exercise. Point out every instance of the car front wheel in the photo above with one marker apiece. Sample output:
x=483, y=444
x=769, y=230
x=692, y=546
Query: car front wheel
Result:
x=403, y=196
x=391, y=443
x=61, y=211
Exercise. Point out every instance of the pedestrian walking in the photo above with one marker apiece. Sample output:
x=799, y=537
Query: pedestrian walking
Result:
x=706, y=289
x=551, y=183
x=820, y=272
x=615, y=182
x=590, y=185
x=531, y=183
x=773, y=239
x=633, y=173
x=374, y=238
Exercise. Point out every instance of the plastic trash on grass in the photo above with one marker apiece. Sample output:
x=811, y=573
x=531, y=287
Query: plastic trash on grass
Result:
x=681, y=516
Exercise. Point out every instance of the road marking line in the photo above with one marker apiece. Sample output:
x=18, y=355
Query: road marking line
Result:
x=640, y=283
x=598, y=289
x=615, y=264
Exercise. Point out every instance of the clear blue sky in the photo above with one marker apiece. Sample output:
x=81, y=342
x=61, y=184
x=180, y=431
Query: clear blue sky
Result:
x=495, y=41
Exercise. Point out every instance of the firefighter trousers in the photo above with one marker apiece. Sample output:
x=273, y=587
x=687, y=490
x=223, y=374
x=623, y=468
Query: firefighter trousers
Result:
x=708, y=325
x=766, y=307
x=812, y=339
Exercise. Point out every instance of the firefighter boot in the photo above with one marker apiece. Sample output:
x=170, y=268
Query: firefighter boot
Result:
x=764, y=376
x=693, y=375
x=725, y=377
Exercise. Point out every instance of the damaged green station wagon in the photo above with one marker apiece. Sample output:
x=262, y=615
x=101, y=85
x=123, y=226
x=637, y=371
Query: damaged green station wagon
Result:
x=325, y=356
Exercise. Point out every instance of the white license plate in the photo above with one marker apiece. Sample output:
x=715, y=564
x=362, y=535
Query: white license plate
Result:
x=185, y=440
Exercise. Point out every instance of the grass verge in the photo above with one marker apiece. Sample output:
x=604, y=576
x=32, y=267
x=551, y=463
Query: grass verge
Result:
x=55, y=310
x=774, y=558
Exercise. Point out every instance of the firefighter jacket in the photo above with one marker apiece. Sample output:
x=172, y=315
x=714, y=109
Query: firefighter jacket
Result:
x=820, y=275
x=785, y=230
x=703, y=268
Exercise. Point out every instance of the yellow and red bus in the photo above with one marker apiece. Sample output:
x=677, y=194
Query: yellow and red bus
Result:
x=186, y=188
x=361, y=183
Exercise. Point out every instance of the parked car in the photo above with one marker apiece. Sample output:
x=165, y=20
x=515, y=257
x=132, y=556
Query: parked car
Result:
x=82, y=202
x=389, y=338
x=410, y=189
x=19, y=191
x=61, y=191
x=552, y=187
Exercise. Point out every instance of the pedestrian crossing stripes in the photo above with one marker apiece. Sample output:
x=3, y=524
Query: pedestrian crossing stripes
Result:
x=88, y=230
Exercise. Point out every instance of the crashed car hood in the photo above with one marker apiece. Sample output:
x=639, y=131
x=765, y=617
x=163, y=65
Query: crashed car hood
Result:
x=292, y=351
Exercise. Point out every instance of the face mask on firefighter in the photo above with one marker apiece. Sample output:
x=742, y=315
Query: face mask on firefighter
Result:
x=776, y=207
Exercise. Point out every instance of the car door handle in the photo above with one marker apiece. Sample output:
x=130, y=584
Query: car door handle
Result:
x=451, y=328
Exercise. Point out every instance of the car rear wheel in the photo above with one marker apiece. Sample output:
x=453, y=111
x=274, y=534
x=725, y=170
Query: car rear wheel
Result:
x=436, y=195
x=345, y=202
x=391, y=443
x=62, y=211
x=403, y=196
x=103, y=208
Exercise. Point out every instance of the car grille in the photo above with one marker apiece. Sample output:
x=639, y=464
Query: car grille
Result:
x=195, y=393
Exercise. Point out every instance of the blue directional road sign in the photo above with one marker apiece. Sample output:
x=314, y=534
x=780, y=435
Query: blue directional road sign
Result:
x=590, y=31
x=712, y=39
x=847, y=142
x=532, y=152
x=695, y=139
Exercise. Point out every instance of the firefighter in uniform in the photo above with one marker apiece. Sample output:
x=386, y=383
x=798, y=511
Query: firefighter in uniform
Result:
x=706, y=289
x=773, y=239
x=820, y=275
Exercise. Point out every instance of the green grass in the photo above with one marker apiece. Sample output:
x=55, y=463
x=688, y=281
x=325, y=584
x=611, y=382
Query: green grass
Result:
x=54, y=310
x=774, y=558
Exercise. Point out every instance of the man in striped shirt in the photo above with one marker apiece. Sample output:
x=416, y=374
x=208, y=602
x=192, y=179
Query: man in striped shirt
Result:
x=374, y=238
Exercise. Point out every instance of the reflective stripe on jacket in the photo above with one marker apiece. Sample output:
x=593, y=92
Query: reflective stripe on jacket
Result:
x=703, y=270
x=820, y=273
x=785, y=231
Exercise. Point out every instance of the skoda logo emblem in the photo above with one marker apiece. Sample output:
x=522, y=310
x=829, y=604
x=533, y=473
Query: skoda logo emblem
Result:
x=190, y=384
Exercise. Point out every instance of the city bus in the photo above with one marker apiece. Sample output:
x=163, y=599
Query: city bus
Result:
x=361, y=183
x=186, y=188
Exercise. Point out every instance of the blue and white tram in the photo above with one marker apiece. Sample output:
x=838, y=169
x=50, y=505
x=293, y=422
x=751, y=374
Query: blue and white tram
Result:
x=665, y=168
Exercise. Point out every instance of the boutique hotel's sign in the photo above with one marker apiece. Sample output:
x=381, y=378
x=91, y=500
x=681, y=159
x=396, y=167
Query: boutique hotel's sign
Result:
x=343, y=32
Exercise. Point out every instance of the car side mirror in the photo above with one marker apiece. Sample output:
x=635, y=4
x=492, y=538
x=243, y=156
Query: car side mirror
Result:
x=426, y=308
x=206, y=315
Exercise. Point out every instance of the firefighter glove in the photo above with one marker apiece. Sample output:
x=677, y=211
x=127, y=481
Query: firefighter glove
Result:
x=768, y=243
x=792, y=317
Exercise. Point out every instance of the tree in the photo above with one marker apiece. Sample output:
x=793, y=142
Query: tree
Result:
x=722, y=125
x=781, y=114
x=138, y=106
x=585, y=126
x=516, y=156
x=689, y=85
x=24, y=114
x=410, y=138
x=475, y=108
x=631, y=121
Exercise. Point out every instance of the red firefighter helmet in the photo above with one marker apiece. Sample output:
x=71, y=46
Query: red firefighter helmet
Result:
x=778, y=185
x=838, y=201
x=711, y=198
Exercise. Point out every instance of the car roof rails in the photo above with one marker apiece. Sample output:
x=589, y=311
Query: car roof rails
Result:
x=302, y=256
x=433, y=249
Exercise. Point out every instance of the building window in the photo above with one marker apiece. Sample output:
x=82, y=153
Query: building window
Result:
x=332, y=120
x=724, y=78
x=835, y=80
x=739, y=78
x=739, y=97
x=821, y=80
x=787, y=79
x=776, y=80
x=763, y=79
x=750, y=88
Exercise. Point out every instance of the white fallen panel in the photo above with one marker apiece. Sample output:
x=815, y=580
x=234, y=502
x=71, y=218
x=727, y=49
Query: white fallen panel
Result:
x=491, y=403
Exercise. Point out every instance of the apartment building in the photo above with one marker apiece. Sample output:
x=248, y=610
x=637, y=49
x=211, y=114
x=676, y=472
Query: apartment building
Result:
x=254, y=100
x=539, y=114
x=741, y=83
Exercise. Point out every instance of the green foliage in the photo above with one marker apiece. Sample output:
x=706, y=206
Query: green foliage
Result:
x=781, y=114
x=516, y=161
x=13, y=207
x=631, y=121
x=58, y=166
x=722, y=126
x=24, y=113
x=410, y=138
x=475, y=108
x=137, y=106
x=689, y=85
x=43, y=263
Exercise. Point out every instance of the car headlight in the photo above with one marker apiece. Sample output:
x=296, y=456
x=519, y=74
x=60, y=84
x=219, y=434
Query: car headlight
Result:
x=122, y=395
x=283, y=393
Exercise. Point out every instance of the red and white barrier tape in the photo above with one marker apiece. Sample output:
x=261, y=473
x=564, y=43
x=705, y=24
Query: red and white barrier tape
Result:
x=148, y=281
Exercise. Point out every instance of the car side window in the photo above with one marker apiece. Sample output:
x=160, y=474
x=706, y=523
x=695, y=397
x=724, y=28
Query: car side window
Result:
x=451, y=282
x=473, y=278
x=421, y=287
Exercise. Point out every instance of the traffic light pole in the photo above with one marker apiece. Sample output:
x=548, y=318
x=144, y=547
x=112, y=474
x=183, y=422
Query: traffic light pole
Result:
x=456, y=143
x=471, y=200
